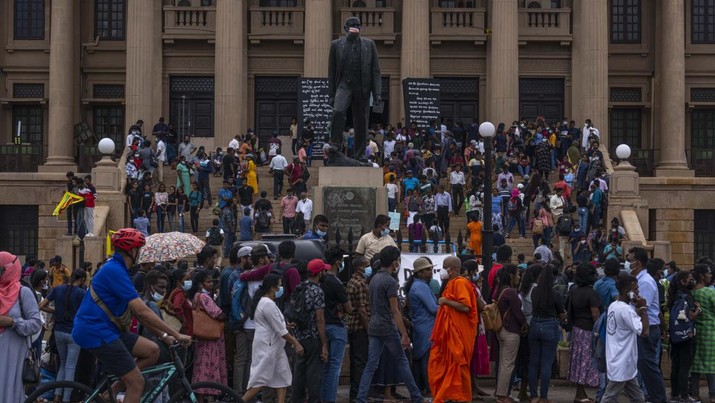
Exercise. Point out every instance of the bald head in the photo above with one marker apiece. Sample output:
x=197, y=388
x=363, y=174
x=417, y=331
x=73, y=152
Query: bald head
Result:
x=453, y=265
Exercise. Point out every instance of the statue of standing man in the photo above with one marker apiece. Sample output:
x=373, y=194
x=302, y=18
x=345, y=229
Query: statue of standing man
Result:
x=353, y=75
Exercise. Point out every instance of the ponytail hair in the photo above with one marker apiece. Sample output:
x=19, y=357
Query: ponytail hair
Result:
x=271, y=280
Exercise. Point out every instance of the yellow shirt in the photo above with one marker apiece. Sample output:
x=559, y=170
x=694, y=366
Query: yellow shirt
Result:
x=60, y=275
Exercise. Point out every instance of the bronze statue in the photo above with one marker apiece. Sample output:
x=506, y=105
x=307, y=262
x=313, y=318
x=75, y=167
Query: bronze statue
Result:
x=353, y=75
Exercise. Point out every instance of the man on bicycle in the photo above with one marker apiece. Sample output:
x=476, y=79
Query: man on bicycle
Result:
x=103, y=319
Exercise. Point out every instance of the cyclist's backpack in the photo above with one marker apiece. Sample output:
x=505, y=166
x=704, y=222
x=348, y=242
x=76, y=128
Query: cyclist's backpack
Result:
x=263, y=221
x=680, y=327
x=296, y=311
x=598, y=342
x=214, y=237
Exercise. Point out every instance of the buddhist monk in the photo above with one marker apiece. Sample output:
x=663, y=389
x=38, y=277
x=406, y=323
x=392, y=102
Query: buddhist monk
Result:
x=453, y=335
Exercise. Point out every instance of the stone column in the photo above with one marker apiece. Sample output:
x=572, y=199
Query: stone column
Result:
x=230, y=87
x=318, y=35
x=143, y=92
x=503, y=60
x=62, y=94
x=590, y=64
x=672, y=160
x=415, y=52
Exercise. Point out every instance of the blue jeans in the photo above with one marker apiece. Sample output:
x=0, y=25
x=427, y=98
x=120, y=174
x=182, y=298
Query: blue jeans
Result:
x=160, y=218
x=393, y=345
x=337, y=336
x=583, y=218
x=544, y=336
x=391, y=204
x=228, y=240
x=649, y=367
x=69, y=354
x=524, y=170
x=602, y=382
x=517, y=219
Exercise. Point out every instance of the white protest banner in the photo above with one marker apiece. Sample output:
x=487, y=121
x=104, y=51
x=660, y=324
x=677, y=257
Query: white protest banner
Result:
x=394, y=221
x=408, y=260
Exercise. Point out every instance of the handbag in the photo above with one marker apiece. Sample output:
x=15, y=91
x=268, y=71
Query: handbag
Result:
x=492, y=317
x=30, y=365
x=206, y=328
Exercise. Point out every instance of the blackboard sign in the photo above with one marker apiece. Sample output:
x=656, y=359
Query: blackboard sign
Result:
x=349, y=208
x=313, y=105
x=421, y=99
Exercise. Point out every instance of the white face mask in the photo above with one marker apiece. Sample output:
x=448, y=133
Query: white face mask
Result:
x=443, y=274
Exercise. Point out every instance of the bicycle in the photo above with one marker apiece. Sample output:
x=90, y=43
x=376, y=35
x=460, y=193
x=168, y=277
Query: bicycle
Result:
x=170, y=371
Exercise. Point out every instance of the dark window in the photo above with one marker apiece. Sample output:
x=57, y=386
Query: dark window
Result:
x=109, y=122
x=703, y=129
x=626, y=21
x=555, y=3
x=19, y=237
x=29, y=20
x=456, y=4
x=21, y=90
x=206, y=3
x=704, y=233
x=703, y=21
x=109, y=19
x=32, y=119
x=625, y=127
x=277, y=3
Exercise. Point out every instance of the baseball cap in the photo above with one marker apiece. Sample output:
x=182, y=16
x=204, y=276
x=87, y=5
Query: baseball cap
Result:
x=56, y=259
x=315, y=266
x=520, y=186
x=244, y=251
x=260, y=250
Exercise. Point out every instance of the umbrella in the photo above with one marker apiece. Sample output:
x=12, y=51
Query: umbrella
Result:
x=169, y=246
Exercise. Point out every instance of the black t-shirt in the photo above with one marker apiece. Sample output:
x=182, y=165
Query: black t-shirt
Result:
x=553, y=311
x=263, y=204
x=228, y=164
x=135, y=196
x=245, y=195
x=147, y=198
x=171, y=208
x=582, y=300
x=335, y=297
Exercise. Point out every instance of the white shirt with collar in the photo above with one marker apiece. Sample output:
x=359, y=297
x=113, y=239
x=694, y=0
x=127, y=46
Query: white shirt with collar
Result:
x=305, y=207
x=278, y=163
x=233, y=144
x=456, y=178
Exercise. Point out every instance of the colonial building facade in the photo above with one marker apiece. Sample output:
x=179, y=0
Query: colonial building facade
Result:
x=75, y=71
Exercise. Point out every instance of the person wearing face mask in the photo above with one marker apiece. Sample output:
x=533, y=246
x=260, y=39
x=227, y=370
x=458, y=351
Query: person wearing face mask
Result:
x=358, y=321
x=589, y=132
x=377, y=239
x=177, y=300
x=683, y=311
x=320, y=228
x=607, y=292
x=337, y=305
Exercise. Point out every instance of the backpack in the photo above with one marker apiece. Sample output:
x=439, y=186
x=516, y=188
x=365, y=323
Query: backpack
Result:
x=214, y=237
x=263, y=221
x=240, y=304
x=680, y=327
x=598, y=342
x=538, y=226
x=513, y=205
x=306, y=175
x=492, y=317
x=565, y=225
x=296, y=311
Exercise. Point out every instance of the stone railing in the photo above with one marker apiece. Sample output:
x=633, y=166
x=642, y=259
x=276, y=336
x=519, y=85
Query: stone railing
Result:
x=545, y=24
x=457, y=24
x=276, y=23
x=377, y=22
x=198, y=23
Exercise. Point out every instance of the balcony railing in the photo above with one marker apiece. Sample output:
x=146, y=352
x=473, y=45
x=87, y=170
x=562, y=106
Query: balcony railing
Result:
x=197, y=23
x=703, y=161
x=545, y=24
x=377, y=23
x=20, y=158
x=276, y=23
x=643, y=160
x=457, y=24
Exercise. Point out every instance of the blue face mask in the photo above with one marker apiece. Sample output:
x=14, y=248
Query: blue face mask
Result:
x=187, y=285
x=385, y=232
x=368, y=272
x=321, y=233
x=627, y=267
x=341, y=266
x=279, y=293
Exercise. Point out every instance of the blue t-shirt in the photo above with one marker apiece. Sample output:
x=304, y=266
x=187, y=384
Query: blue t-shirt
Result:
x=410, y=183
x=113, y=286
x=64, y=314
x=606, y=289
x=224, y=193
x=312, y=235
x=246, y=224
x=142, y=225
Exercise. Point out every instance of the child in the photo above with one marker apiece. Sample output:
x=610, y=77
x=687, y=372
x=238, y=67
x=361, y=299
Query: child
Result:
x=141, y=223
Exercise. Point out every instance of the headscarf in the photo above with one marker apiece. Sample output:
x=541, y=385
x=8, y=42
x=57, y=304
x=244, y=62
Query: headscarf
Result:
x=514, y=193
x=9, y=282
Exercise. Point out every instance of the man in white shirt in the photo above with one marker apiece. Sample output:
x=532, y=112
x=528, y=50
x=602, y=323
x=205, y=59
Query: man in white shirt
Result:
x=393, y=194
x=457, y=182
x=624, y=324
x=587, y=131
x=373, y=242
x=305, y=206
x=277, y=167
x=234, y=142
x=372, y=145
x=161, y=157
x=556, y=203
x=443, y=201
x=388, y=146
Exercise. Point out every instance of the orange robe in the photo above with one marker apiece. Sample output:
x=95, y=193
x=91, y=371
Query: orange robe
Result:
x=453, y=338
x=475, y=236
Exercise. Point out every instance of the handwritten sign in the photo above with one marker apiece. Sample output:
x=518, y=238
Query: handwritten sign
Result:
x=421, y=99
x=313, y=105
x=349, y=208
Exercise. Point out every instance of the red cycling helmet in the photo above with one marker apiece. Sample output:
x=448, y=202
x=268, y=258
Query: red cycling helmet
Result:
x=128, y=238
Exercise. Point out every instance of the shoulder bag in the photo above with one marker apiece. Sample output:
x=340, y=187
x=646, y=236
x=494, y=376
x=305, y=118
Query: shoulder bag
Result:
x=491, y=316
x=30, y=365
x=206, y=328
x=123, y=322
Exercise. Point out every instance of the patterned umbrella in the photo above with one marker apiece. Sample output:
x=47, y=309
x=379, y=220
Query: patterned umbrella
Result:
x=169, y=246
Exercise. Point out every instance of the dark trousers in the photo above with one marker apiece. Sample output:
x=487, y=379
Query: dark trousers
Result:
x=681, y=355
x=308, y=372
x=205, y=189
x=194, y=218
x=443, y=219
x=277, y=183
x=457, y=198
x=419, y=371
x=359, y=343
x=288, y=225
x=648, y=365
x=346, y=97
x=70, y=228
x=427, y=219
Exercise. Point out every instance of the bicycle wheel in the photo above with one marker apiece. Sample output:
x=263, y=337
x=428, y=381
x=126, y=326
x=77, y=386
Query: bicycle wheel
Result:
x=80, y=392
x=218, y=392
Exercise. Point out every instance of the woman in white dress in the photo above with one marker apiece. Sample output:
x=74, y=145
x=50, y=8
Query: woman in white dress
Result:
x=269, y=362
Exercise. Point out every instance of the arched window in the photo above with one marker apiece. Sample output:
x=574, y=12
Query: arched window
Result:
x=534, y=4
x=359, y=3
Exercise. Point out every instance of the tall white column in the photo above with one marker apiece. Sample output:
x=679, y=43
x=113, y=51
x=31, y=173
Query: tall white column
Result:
x=415, y=51
x=318, y=35
x=503, y=68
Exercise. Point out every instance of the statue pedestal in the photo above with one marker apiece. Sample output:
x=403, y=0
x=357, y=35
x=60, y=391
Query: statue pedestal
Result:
x=351, y=198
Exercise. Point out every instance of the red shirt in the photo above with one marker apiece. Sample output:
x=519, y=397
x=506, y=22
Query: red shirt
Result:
x=493, y=274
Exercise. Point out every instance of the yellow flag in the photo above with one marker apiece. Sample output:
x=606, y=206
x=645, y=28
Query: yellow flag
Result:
x=67, y=200
x=109, y=248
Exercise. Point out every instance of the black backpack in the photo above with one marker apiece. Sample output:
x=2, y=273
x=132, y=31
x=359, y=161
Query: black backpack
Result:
x=263, y=221
x=214, y=237
x=296, y=311
x=565, y=225
x=680, y=327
